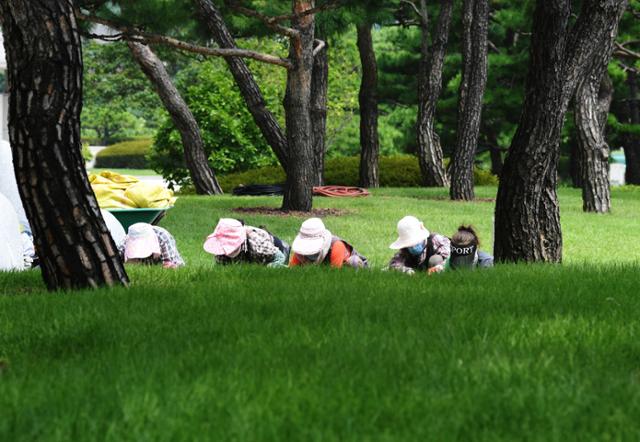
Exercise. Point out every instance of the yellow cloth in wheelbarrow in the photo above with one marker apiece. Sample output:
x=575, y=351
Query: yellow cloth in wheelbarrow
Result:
x=115, y=191
x=150, y=196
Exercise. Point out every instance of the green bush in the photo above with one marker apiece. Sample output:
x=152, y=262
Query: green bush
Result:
x=395, y=171
x=86, y=152
x=128, y=155
x=232, y=141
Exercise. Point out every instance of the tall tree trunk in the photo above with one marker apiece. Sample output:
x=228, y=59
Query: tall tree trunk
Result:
x=592, y=102
x=45, y=82
x=202, y=175
x=368, y=99
x=575, y=160
x=527, y=218
x=319, y=86
x=632, y=144
x=247, y=85
x=475, y=25
x=430, y=156
x=297, y=103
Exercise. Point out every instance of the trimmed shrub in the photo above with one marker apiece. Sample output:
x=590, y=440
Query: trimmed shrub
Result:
x=395, y=171
x=125, y=155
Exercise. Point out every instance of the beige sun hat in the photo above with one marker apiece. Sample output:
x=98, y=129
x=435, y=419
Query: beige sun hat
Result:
x=411, y=231
x=313, y=238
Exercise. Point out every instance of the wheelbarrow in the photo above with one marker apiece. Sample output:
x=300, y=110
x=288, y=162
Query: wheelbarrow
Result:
x=127, y=217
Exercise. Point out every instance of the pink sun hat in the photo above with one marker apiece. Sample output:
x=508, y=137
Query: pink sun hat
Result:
x=228, y=236
x=141, y=242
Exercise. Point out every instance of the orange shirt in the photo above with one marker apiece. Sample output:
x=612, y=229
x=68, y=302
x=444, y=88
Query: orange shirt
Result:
x=338, y=255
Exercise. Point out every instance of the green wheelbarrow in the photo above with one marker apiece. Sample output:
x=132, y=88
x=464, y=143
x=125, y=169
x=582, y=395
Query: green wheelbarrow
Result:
x=126, y=217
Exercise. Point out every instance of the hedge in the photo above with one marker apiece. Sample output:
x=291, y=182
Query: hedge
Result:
x=395, y=171
x=125, y=155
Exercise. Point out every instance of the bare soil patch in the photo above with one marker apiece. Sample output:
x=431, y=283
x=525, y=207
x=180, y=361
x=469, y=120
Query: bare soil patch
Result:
x=271, y=211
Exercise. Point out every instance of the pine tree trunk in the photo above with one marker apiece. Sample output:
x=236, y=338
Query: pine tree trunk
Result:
x=632, y=144
x=527, y=219
x=430, y=156
x=202, y=175
x=475, y=24
x=247, y=85
x=592, y=101
x=297, y=103
x=45, y=82
x=575, y=160
x=319, y=86
x=368, y=99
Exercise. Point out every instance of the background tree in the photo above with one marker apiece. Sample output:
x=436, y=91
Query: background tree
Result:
x=118, y=102
x=432, y=55
x=527, y=226
x=202, y=176
x=475, y=22
x=592, y=101
x=368, y=99
x=44, y=61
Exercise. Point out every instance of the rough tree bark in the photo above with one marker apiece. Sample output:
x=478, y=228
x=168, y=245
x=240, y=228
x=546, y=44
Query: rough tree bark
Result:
x=475, y=25
x=44, y=65
x=298, y=194
x=574, y=165
x=430, y=155
x=632, y=144
x=368, y=99
x=527, y=217
x=591, y=108
x=247, y=85
x=319, y=86
x=202, y=175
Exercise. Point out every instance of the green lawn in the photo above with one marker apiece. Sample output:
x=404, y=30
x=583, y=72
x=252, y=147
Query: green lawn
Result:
x=135, y=172
x=249, y=353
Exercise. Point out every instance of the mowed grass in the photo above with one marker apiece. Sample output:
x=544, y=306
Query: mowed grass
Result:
x=542, y=352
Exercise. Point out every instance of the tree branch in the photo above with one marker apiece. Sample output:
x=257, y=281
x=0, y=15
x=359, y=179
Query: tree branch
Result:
x=326, y=7
x=132, y=34
x=621, y=51
x=321, y=46
x=414, y=7
x=269, y=21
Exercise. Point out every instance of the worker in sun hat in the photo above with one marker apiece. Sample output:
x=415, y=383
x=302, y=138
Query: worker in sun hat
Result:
x=9, y=188
x=315, y=244
x=115, y=228
x=233, y=242
x=418, y=249
x=11, y=246
x=465, y=252
x=147, y=244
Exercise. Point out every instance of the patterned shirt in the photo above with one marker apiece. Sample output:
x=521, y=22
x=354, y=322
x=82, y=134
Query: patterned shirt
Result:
x=407, y=263
x=169, y=254
x=259, y=248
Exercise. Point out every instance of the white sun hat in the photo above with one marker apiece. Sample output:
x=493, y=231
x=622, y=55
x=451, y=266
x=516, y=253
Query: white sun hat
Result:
x=411, y=231
x=115, y=228
x=312, y=238
x=141, y=242
x=11, y=257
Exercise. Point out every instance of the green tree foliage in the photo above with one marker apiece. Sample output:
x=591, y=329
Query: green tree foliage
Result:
x=119, y=103
x=232, y=140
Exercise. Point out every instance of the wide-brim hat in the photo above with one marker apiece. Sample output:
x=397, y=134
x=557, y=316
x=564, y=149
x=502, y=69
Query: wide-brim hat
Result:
x=228, y=236
x=313, y=238
x=411, y=231
x=141, y=242
x=115, y=228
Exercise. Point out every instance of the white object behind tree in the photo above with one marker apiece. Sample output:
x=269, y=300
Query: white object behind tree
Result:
x=11, y=250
